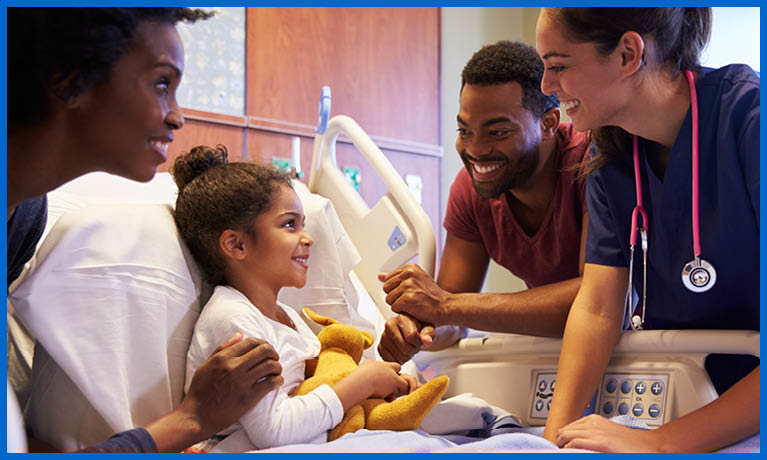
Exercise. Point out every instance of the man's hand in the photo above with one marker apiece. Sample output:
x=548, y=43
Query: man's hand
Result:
x=237, y=375
x=410, y=290
x=403, y=337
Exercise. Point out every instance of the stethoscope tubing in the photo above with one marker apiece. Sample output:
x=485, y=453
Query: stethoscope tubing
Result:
x=697, y=264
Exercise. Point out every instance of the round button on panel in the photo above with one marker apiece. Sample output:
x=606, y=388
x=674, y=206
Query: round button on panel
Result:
x=623, y=408
x=539, y=405
x=608, y=408
x=657, y=387
x=611, y=386
x=552, y=384
x=637, y=410
x=542, y=385
x=654, y=411
x=548, y=405
x=626, y=387
x=640, y=387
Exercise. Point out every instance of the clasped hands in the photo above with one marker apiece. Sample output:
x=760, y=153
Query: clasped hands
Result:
x=420, y=304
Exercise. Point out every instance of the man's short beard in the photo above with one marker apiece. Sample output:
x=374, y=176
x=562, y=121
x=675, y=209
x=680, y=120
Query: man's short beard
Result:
x=515, y=176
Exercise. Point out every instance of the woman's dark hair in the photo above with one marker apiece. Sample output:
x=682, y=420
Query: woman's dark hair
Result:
x=507, y=62
x=678, y=36
x=76, y=46
x=215, y=195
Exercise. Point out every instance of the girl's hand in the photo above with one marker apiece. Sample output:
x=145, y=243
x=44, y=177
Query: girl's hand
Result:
x=595, y=432
x=412, y=383
x=382, y=379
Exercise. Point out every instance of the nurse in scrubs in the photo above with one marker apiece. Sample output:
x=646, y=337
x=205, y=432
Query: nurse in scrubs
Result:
x=621, y=72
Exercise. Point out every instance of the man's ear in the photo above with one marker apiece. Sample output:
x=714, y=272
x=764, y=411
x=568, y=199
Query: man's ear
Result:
x=550, y=122
x=631, y=47
x=232, y=244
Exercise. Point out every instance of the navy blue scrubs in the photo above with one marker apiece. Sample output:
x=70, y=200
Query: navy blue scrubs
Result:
x=728, y=104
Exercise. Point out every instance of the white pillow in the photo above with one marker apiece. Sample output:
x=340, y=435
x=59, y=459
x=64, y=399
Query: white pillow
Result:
x=112, y=299
x=113, y=294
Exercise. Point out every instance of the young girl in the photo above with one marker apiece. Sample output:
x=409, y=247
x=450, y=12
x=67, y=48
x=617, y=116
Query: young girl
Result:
x=244, y=225
x=633, y=76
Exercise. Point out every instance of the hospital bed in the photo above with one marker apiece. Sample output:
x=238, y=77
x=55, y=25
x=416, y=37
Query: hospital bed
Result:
x=112, y=296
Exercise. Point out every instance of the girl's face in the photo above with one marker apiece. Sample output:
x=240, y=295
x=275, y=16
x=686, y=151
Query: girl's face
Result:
x=587, y=83
x=282, y=246
x=123, y=125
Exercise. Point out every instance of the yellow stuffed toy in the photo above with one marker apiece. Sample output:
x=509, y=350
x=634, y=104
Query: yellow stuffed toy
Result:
x=341, y=351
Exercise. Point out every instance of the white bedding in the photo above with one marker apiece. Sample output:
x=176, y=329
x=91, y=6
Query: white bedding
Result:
x=112, y=296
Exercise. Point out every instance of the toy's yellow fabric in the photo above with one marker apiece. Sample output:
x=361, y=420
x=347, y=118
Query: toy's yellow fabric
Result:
x=341, y=351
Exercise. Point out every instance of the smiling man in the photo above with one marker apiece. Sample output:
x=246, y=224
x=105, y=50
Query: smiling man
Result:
x=518, y=201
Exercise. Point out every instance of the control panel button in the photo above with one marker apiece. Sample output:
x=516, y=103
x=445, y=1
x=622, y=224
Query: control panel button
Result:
x=542, y=386
x=608, y=408
x=654, y=411
x=656, y=388
x=611, y=386
x=640, y=388
x=623, y=408
x=539, y=405
x=637, y=410
x=626, y=387
x=552, y=384
x=548, y=405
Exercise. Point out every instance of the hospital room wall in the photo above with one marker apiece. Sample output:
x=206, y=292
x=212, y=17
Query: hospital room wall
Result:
x=464, y=31
x=382, y=65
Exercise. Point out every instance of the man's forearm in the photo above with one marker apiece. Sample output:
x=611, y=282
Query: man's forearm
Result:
x=540, y=311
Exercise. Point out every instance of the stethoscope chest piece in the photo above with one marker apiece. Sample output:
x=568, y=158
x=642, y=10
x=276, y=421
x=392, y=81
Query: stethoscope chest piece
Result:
x=698, y=275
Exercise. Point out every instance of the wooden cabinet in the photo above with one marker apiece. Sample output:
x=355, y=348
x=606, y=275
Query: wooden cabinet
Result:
x=382, y=65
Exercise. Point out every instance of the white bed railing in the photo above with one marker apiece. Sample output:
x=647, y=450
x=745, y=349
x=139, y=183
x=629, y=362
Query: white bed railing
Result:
x=394, y=230
x=509, y=370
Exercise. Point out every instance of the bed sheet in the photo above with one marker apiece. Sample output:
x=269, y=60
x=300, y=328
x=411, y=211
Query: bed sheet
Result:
x=518, y=440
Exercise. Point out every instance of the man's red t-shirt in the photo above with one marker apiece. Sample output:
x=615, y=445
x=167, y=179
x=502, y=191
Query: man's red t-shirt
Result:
x=549, y=256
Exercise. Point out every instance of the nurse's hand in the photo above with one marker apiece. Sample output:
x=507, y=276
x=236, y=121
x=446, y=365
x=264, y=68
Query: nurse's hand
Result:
x=403, y=337
x=410, y=290
x=236, y=376
x=595, y=432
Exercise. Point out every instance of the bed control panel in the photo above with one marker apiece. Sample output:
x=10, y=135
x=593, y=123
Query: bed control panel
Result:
x=640, y=395
x=545, y=383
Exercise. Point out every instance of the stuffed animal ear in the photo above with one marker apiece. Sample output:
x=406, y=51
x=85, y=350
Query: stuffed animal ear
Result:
x=319, y=319
x=368, y=338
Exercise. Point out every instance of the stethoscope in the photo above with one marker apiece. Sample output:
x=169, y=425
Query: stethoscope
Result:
x=698, y=275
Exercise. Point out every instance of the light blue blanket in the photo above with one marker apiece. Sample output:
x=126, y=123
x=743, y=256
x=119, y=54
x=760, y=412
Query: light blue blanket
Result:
x=520, y=440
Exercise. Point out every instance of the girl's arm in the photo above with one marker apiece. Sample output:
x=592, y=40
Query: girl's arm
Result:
x=372, y=379
x=280, y=419
x=592, y=330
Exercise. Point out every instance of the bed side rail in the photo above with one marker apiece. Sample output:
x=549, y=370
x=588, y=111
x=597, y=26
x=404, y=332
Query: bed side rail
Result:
x=664, y=371
x=389, y=234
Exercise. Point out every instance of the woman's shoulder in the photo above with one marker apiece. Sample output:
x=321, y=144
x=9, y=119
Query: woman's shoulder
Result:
x=733, y=74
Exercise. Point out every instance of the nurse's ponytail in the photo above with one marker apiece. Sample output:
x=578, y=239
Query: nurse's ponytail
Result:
x=679, y=36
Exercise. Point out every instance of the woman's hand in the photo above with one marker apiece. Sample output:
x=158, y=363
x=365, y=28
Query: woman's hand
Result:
x=237, y=375
x=595, y=432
